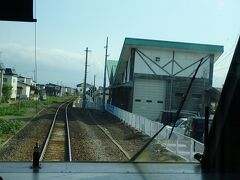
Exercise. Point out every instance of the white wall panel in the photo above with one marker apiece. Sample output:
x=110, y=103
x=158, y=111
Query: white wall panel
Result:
x=183, y=58
x=149, y=97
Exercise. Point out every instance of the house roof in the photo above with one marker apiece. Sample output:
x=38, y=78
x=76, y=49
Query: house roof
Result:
x=52, y=85
x=81, y=85
x=24, y=77
x=130, y=43
x=26, y=84
x=10, y=71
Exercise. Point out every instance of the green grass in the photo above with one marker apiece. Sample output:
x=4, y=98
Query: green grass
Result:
x=11, y=110
x=20, y=108
x=9, y=127
x=52, y=99
x=10, y=113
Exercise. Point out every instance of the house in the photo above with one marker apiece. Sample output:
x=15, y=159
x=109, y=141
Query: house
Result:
x=27, y=80
x=81, y=86
x=153, y=75
x=23, y=90
x=10, y=77
x=64, y=91
x=70, y=91
x=42, y=91
x=98, y=96
x=53, y=89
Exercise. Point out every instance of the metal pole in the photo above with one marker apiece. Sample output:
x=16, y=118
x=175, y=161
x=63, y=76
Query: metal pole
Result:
x=85, y=79
x=206, y=128
x=35, y=56
x=104, y=80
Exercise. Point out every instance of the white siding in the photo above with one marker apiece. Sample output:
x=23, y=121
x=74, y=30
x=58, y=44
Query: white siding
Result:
x=149, y=97
x=14, y=89
x=183, y=58
x=25, y=91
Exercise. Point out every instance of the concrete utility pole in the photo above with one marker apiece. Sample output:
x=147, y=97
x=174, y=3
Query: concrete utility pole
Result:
x=85, y=81
x=104, y=80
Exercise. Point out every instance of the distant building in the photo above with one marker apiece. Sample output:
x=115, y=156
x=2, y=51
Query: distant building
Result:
x=42, y=91
x=10, y=77
x=23, y=90
x=26, y=80
x=81, y=87
x=53, y=89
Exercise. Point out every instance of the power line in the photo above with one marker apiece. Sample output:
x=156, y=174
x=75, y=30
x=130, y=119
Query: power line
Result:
x=229, y=52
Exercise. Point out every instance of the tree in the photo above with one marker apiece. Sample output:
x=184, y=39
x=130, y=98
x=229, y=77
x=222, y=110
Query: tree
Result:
x=7, y=92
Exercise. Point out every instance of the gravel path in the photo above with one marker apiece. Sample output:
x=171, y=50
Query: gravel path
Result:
x=89, y=143
x=132, y=140
x=20, y=147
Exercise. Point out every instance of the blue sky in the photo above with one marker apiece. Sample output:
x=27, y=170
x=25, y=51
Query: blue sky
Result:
x=66, y=27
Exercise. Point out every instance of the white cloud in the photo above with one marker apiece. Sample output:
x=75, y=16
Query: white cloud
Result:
x=54, y=65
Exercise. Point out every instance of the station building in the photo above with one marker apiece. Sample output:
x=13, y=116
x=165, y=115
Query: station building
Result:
x=151, y=76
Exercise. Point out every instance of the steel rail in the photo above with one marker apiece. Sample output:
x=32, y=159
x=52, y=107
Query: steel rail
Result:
x=49, y=134
x=125, y=153
x=68, y=135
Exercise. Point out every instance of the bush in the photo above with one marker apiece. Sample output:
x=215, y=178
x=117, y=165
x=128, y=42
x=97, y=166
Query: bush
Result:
x=9, y=126
x=7, y=92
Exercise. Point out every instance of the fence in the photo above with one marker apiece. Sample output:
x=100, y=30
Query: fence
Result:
x=179, y=144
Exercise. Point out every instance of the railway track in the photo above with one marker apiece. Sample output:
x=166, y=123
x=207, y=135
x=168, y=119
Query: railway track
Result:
x=107, y=133
x=57, y=145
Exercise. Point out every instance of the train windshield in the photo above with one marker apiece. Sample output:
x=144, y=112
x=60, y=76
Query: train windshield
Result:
x=108, y=80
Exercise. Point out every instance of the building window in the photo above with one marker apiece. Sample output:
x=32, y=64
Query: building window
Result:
x=137, y=100
x=149, y=101
x=159, y=101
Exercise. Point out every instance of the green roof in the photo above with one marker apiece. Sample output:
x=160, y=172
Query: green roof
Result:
x=111, y=68
x=129, y=43
x=173, y=45
x=127, y=84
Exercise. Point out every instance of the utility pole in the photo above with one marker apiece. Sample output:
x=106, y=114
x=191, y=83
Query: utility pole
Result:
x=85, y=81
x=104, y=80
